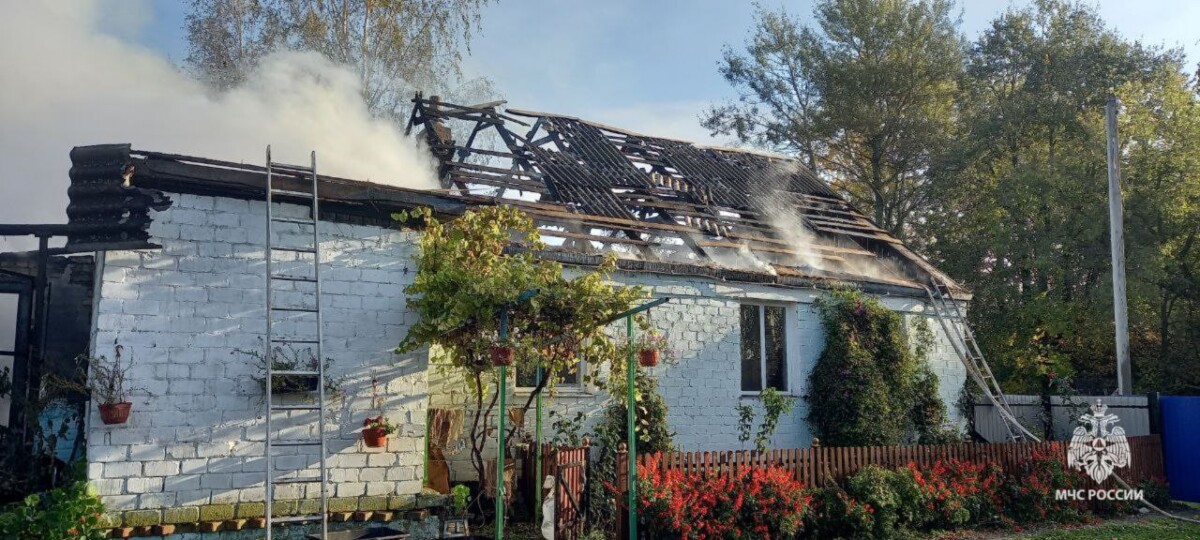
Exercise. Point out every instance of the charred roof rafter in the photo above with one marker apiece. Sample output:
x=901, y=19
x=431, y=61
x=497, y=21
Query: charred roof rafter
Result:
x=604, y=186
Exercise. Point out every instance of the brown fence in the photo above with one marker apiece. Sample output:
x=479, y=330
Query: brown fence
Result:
x=817, y=466
x=569, y=468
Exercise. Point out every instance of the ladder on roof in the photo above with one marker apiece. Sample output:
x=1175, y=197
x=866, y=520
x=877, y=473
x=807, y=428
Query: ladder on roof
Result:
x=303, y=279
x=950, y=317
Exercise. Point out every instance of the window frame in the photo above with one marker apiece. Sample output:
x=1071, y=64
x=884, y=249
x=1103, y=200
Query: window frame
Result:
x=762, y=349
x=577, y=387
x=21, y=286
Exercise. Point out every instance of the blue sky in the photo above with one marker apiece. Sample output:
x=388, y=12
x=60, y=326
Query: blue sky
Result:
x=652, y=65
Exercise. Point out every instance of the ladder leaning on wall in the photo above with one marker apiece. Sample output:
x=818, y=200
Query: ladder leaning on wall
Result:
x=954, y=323
x=303, y=257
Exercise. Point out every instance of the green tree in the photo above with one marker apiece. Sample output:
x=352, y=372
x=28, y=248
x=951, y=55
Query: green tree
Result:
x=396, y=46
x=866, y=98
x=1022, y=203
x=468, y=271
x=872, y=384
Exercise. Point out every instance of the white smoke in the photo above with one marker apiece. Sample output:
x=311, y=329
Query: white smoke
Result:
x=65, y=83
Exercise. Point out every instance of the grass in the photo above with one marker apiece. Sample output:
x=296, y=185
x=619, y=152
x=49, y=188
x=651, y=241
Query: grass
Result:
x=1147, y=529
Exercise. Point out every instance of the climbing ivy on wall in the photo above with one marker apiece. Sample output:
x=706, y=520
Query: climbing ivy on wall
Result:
x=872, y=384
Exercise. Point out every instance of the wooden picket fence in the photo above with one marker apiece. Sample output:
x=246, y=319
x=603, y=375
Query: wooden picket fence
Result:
x=819, y=466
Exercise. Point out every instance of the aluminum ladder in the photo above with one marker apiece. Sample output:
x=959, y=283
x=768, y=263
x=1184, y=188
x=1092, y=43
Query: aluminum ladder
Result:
x=304, y=255
x=962, y=339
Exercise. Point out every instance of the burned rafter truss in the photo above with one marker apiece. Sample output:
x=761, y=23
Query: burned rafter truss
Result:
x=598, y=187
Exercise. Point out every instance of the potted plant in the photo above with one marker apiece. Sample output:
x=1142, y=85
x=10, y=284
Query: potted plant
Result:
x=376, y=430
x=652, y=347
x=459, y=496
x=106, y=385
x=458, y=526
x=501, y=355
x=291, y=359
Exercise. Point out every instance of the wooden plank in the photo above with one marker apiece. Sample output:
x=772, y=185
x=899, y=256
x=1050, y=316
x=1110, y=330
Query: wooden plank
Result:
x=880, y=237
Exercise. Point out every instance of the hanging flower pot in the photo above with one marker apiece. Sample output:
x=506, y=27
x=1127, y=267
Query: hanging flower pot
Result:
x=648, y=357
x=376, y=430
x=115, y=413
x=501, y=355
x=375, y=438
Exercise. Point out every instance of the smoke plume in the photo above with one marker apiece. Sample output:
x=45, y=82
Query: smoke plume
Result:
x=67, y=83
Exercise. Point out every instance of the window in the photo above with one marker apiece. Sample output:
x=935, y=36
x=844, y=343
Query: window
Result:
x=764, y=348
x=10, y=309
x=527, y=379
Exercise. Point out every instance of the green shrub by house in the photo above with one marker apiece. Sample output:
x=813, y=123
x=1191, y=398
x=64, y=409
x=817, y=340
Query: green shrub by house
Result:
x=871, y=385
x=69, y=511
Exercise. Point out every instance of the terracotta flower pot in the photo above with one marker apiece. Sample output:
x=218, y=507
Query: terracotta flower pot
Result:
x=374, y=438
x=115, y=413
x=648, y=357
x=501, y=356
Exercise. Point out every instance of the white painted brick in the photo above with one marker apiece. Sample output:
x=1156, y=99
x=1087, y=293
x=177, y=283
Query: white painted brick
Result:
x=116, y=503
x=351, y=489
x=144, y=485
x=158, y=500
x=105, y=454
x=381, y=488
x=113, y=486
x=193, y=497
x=161, y=468
x=147, y=452
x=216, y=480
x=193, y=466
x=123, y=469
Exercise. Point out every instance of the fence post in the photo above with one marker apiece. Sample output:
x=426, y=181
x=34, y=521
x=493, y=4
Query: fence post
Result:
x=1154, y=412
x=622, y=486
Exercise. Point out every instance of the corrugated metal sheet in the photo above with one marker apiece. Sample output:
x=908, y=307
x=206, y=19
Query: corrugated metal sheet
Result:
x=1133, y=411
x=115, y=214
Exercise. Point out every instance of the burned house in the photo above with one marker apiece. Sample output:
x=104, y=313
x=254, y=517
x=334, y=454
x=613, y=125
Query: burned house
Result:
x=742, y=243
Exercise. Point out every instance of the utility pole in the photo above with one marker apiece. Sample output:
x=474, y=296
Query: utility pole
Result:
x=1117, y=234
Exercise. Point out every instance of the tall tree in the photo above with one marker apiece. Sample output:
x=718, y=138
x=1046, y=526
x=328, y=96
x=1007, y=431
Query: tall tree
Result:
x=866, y=97
x=1021, y=213
x=396, y=46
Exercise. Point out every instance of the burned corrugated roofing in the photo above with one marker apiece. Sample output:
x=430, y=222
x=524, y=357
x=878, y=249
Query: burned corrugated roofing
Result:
x=663, y=205
x=599, y=187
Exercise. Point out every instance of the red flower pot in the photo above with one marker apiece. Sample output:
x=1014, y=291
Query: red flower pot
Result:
x=374, y=438
x=648, y=357
x=115, y=413
x=501, y=356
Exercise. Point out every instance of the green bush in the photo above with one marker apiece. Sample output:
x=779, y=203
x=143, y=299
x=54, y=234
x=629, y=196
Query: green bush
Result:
x=898, y=502
x=872, y=386
x=66, y=512
x=836, y=514
x=1029, y=494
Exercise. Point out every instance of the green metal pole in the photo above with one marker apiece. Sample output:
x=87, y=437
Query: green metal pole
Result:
x=631, y=437
x=537, y=441
x=500, y=451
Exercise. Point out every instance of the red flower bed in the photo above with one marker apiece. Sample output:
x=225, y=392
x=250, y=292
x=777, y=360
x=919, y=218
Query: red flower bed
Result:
x=1030, y=494
x=955, y=492
x=765, y=503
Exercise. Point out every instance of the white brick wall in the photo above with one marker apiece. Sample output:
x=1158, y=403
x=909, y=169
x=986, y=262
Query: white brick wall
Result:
x=195, y=435
x=196, y=432
x=702, y=321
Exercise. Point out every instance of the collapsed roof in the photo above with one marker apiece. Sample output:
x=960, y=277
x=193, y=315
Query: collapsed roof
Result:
x=593, y=188
x=662, y=205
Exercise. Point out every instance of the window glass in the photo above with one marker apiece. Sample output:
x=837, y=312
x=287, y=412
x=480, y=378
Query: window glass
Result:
x=567, y=376
x=8, y=321
x=751, y=349
x=776, y=363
